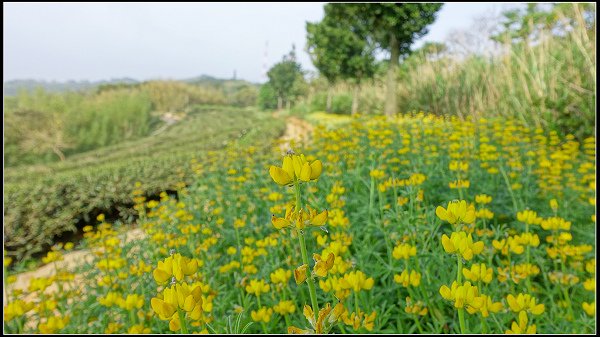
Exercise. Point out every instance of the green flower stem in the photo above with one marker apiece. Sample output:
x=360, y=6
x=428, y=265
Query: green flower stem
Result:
x=184, y=329
x=483, y=325
x=481, y=318
x=461, y=311
x=461, y=320
x=371, y=196
x=132, y=316
x=239, y=254
x=459, y=271
x=287, y=320
x=510, y=190
x=19, y=321
x=527, y=258
x=566, y=295
x=356, y=303
x=309, y=279
x=416, y=318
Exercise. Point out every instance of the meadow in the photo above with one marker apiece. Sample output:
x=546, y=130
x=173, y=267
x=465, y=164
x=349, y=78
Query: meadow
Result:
x=415, y=223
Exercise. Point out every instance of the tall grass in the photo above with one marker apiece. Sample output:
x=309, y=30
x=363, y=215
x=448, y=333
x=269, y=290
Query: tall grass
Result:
x=550, y=84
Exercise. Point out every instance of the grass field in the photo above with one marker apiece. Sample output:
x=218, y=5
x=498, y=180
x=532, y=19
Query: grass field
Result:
x=376, y=241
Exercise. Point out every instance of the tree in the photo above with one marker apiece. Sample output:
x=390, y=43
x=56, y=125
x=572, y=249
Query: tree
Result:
x=339, y=53
x=267, y=97
x=324, y=58
x=392, y=27
x=282, y=77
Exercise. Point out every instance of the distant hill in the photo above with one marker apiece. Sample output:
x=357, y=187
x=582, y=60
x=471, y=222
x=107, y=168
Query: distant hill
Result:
x=12, y=87
x=209, y=80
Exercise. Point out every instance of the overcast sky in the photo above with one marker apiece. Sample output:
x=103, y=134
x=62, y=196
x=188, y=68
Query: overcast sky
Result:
x=64, y=41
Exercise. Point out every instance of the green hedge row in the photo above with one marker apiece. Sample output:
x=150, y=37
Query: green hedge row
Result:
x=42, y=203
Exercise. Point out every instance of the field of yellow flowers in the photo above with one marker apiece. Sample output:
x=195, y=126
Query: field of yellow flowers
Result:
x=411, y=224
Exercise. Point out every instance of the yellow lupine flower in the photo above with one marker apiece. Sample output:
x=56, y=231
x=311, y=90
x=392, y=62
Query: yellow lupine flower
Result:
x=52, y=256
x=45, y=306
x=369, y=321
x=323, y=266
x=458, y=166
x=175, y=265
x=281, y=276
x=16, y=308
x=138, y=329
x=478, y=272
x=132, y=301
x=113, y=328
x=416, y=309
x=257, y=287
x=521, y=327
x=528, y=239
x=262, y=315
x=590, y=266
x=317, y=219
x=53, y=324
x=326, y=319
x=464, y=295
x=524, y=302
x=250, y=269
x=458, y=212
x=357, y=281
x=556, y=223
x=404, y=251
x=333, y=284
x=590, y=284
x=461, y=243
x=510, y=244
x=529, y=217
x=110, y=299
x=487, y=306
x=352, y=320
x=178, y=295
x=554, y=204
x=589, y=308
x=377, y=174
x=175, y=323
x=285, y=307
x=483, y=199
x=300, y=273
x=484, y=213
x=292, y=330
x=300, y=219
x=40, y=283
x=406, y=279
x=294, y=168
x=459, y=183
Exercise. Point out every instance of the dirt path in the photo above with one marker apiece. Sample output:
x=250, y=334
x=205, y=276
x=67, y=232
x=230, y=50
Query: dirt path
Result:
x=296, y=131
x=69, y=261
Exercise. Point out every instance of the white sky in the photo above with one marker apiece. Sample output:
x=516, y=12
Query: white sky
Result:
x=100, y=41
